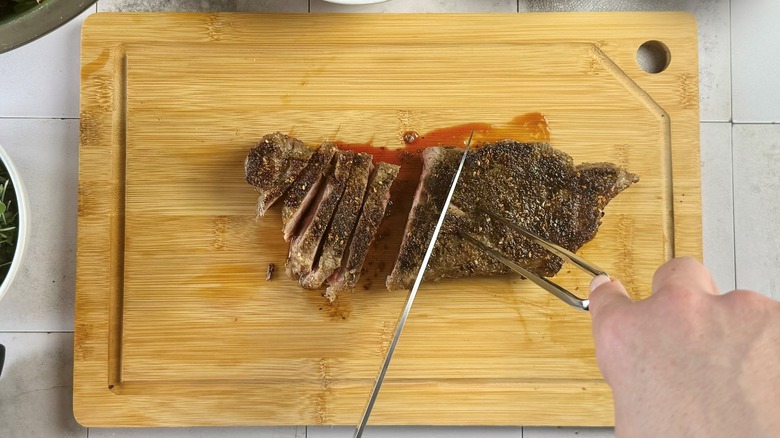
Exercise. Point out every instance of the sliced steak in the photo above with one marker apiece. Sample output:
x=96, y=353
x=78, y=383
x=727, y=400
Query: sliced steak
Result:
x=531, y=184
x=305, y=246
x=305, y=188
x=343, y=224
x=371, y=215
x=273, y=165
x=439, y=164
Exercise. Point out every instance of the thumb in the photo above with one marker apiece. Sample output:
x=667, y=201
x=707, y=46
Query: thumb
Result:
x=606, y=296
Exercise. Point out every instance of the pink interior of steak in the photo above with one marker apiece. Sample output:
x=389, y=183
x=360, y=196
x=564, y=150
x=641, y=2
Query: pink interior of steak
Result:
x=373, y=212
x=307, y=244
x=298, y=220
x=303, y=191
x=342, y=227
x=294, y=265
x=306, y=215
x=429, y=157
x=336, y=278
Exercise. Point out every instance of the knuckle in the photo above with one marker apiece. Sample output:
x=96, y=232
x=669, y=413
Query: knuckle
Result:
x=748, y=299
x=680, y=298
x=683, y=308
x=748, y=302
x=676, y=265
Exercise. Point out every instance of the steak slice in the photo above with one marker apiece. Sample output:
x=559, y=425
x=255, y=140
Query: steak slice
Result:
x=305, y=188
x=373, y=211
x=531, y=184
x=272, y=166
x=304, y=246
x=343, y=224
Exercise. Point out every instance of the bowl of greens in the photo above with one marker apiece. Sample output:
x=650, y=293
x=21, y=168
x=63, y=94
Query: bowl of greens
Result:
x=14, y=221
x=22, y=21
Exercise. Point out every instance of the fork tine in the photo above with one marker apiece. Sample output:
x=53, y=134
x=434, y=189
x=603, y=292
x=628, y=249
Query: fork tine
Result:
x=558, y=250
x=565, y=296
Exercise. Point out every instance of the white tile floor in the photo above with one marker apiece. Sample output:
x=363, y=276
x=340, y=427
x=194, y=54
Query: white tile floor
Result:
x=35, y=390
x=757, y=207
x=39, y=87
x=754, y=60
x=42, y=297
x=718, y=202
x=49, y=70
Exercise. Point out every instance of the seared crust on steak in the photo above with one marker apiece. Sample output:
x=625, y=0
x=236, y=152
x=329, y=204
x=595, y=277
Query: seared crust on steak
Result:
x=305, y=188
x=532, y=184
x=305, y=246
x=343, y=223
x=273, y=165
x=373, y=211
x=334, y=202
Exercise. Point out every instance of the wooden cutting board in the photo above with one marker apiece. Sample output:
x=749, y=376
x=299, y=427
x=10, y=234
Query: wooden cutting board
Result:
x=175, y=322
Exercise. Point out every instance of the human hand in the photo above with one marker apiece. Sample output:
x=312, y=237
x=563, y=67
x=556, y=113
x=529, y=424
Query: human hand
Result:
x=688, y=361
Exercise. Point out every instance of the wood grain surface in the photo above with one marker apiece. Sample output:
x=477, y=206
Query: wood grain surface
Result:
x=175, y=322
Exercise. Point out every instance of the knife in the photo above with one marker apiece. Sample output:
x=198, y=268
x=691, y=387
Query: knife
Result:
x=410, y=299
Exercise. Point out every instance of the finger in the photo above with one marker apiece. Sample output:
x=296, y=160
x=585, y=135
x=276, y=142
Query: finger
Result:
x=684, y=273
x=607, y=295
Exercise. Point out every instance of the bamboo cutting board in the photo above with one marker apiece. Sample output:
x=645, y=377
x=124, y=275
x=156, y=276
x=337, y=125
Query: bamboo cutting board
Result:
x=175, y=322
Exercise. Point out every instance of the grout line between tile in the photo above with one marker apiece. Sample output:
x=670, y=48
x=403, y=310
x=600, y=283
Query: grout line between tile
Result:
x=733, y=204
x=731, y=64
x=755, y=123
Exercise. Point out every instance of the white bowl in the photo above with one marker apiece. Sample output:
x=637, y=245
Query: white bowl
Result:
x=24, y=221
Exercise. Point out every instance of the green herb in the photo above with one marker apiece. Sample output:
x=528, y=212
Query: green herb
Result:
x=9, y=218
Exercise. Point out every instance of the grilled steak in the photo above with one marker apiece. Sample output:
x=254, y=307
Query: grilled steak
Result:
x=373, y=211
x=343, y=223
x=272, y=166
x=303, y=191
x=304, y=246
x=531, y=184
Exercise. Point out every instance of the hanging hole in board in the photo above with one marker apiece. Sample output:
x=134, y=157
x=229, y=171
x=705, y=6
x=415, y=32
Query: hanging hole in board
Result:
x=653, y=56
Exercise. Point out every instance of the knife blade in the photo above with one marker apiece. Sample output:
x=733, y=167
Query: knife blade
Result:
x=410, y=298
